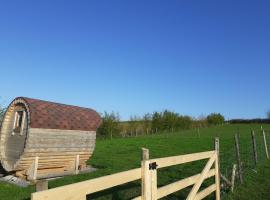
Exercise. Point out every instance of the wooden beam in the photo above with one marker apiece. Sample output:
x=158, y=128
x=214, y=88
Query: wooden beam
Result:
x=197, y=185
x=154, y=184
x=32, y=171
x=179, y=185
x=176, y=160
x=205, y=192
x=225, y=180
x=81, y=189
x=23, y=122
x=14, y=123
x=54, y=174
x=77, y=162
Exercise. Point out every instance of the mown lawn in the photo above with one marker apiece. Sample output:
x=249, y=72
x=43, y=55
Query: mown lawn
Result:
x=122, y=154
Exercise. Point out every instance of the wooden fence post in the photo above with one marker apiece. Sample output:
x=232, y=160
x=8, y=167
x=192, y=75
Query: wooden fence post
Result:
x=217, y=168
x=77, y=163
x=32, y=171
x=154, y=183
x=236, y=137
x=41, y=185
x=254, y=147
x=265, y=145
x=146, y=175
x=233, y=176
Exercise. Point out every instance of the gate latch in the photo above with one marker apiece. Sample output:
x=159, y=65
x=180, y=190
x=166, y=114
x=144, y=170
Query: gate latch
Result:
x=153, y=166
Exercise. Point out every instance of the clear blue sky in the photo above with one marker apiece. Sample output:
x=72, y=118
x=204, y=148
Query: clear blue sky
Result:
x=193, y=57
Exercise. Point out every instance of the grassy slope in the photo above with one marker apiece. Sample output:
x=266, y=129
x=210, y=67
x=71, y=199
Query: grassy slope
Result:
x=118, y=155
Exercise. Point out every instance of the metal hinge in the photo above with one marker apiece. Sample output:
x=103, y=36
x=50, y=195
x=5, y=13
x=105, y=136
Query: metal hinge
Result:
x=153, y=166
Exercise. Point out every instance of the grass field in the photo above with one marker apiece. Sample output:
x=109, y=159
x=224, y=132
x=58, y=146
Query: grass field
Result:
x=256, y=185
x=122, y=154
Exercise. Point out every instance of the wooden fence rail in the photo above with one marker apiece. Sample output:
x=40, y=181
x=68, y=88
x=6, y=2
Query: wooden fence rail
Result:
x=148, y=174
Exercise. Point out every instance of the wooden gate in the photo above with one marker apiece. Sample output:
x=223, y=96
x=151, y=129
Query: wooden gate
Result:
x=148, y=174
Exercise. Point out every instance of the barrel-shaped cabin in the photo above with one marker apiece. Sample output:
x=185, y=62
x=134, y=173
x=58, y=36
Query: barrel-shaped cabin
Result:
x=41, y=139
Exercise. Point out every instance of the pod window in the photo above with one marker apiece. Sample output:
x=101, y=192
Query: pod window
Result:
x=18, y=122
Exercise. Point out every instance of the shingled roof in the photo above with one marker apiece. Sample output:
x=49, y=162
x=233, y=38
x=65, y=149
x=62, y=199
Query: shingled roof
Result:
x=50, y=115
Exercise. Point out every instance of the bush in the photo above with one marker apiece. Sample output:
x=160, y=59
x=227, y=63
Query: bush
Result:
x=168, y=120
x=157, y=121
x=215, y=119
x=151, y=123
x=110, y=125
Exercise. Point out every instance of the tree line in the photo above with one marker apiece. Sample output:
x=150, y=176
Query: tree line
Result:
x=153, y=123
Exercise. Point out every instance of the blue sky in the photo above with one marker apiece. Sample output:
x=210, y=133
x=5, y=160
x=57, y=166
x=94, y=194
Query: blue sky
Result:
x=192, y=57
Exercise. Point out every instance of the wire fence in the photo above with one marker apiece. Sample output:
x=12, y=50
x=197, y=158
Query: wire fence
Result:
x=200, y=140
x=252, y=151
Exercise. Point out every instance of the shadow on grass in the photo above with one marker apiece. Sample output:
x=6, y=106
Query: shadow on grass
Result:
x=123, y=192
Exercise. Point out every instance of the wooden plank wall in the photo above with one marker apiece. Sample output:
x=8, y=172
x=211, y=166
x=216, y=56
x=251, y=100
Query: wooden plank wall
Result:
x=58, y=150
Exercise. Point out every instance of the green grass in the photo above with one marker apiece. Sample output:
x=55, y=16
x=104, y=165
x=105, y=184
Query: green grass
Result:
x=256, y=185
x=122, y=154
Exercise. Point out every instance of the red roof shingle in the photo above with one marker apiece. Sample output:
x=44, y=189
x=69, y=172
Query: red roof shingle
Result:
x=49, y=115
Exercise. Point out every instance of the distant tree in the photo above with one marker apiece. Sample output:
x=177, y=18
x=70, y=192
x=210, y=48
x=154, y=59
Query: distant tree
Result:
x=201, y=121
x=110, y=126
x=170, y=120
x=215, y=119
x=157, y=121
x=147, y=121
x=184, y=122
x=135, y=124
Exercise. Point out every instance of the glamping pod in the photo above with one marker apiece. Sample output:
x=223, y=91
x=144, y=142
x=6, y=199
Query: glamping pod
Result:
x=41, y=139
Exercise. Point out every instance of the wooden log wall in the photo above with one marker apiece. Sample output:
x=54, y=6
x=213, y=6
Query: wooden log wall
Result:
x=57, y=150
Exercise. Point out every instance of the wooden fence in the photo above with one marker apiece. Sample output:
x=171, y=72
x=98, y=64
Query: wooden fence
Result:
x=148, y=175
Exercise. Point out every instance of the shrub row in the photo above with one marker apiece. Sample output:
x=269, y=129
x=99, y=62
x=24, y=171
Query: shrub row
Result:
x=249, y=121
x=153, y=123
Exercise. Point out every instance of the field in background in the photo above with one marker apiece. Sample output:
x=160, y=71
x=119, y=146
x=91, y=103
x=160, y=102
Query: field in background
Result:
x=122, y=154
